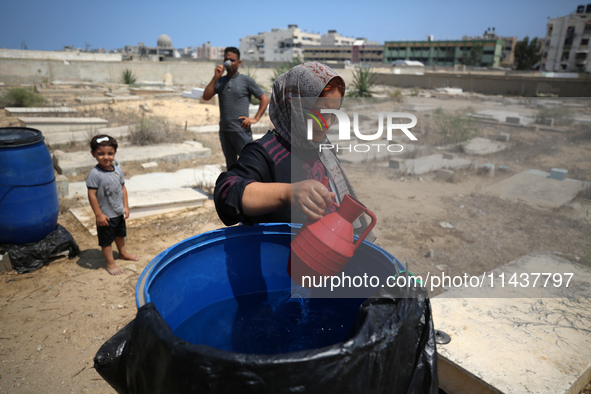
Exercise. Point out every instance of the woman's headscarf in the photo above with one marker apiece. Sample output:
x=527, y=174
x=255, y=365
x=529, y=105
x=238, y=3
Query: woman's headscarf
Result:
x=291, y=94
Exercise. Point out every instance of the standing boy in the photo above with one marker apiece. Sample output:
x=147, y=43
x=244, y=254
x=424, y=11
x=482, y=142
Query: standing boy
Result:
x=108, y=198
x=234, y=91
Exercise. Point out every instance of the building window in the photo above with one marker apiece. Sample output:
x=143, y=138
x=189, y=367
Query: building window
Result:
x=564, y=56
x=587, y=27
x=584, y=42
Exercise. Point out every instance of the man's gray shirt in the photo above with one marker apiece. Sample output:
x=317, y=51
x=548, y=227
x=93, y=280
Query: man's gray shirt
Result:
x=234, y=97
x=109, y=190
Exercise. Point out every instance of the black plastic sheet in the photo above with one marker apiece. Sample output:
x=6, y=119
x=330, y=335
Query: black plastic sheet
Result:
x=391, y=349
x=32, y=256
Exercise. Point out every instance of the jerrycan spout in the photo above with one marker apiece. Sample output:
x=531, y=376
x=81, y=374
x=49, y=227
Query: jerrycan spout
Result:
x=350, y=209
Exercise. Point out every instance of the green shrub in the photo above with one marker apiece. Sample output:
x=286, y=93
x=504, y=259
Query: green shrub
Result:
x=363, y=81
x=127, y=77
x=21, y=97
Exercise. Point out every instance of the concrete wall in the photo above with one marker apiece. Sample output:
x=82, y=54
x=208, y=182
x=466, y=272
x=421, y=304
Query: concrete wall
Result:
x=59, y=55
x=492, y=84
x=36, y=71
x=198, y=74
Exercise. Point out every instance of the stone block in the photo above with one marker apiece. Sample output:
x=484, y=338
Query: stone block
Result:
x=547, y=122
x=447, y=156
x=61, y=181
x=558, y=173
x=513, y=119
x=395, y=164
x=444, y=175
x=151, y=164
x=504, y=137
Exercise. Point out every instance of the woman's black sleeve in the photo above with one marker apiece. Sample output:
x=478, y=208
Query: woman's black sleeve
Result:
x=254, y=165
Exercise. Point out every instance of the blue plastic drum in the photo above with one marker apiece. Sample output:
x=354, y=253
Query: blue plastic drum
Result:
x=229, y=289
x=29, y=204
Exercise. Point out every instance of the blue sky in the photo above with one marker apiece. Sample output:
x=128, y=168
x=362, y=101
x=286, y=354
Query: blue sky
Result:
x=51, y=24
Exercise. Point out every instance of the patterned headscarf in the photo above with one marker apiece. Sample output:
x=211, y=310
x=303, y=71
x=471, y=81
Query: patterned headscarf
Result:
x=286, y=112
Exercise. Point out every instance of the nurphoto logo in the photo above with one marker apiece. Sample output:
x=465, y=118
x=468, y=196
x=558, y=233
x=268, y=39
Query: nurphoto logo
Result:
x=387, y=118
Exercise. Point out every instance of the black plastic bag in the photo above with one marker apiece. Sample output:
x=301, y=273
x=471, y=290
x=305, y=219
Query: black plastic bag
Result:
x=32, y=256
x=391, y=349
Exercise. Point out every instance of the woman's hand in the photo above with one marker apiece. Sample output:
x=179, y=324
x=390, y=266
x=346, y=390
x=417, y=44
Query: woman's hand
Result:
x=311, y=197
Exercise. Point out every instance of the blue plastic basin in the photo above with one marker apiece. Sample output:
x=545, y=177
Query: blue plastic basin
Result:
x=205, y=288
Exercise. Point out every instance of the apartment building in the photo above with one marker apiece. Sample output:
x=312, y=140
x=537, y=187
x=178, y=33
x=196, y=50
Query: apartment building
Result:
x=566, y=45
x=356, y=51
x=207, y=51
x=277, y=45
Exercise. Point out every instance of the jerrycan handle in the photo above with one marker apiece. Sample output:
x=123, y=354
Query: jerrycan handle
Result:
x=367, y=230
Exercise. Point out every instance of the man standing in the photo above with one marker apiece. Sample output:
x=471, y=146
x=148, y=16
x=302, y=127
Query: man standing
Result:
x=234, y=91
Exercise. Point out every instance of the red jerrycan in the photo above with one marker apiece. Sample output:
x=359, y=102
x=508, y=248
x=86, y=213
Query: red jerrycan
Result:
x=323, y=248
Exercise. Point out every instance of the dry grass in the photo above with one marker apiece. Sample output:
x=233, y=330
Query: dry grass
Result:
x=149, y=130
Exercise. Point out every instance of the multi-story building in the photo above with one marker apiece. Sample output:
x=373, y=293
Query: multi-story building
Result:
x=278, y=45
x=507, y=55
x=566, y=46
x=351, y=51
x=335, y=39
x=445, y=53
x=206, y=51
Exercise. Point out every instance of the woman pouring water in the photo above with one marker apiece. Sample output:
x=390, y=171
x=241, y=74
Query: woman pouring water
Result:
x=279, y=177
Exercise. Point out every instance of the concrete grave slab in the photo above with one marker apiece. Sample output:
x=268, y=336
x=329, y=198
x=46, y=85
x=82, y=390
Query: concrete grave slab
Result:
x=418, y=107
x=536, y=189
x=48, y=125
x=503, y=116
x=483, y=146
x=202, y=177
x=145, y=203
x=504, y=340
x=195, y=93
x=64, y=137
x=423, y=165
x=211, y=128
x=450, y=91
x=148, y=91
x=35, y=111
x=81, y=162
x=126, y=98
x=94, y=100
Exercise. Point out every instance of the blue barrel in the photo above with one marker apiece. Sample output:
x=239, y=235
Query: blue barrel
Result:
x=219, y=313
x=229, y=289
x=29, y=204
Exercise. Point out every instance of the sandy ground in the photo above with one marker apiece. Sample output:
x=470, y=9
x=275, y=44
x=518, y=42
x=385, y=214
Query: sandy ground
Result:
x=55, y=319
